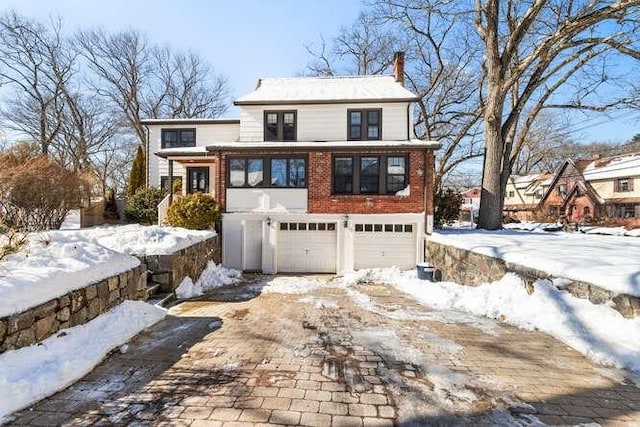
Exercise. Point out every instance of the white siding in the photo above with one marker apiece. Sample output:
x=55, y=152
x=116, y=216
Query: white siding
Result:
x=325, y=122
x=266, y=199
x=206, y=134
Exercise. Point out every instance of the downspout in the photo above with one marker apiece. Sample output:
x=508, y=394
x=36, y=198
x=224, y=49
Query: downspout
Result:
x=146, y=150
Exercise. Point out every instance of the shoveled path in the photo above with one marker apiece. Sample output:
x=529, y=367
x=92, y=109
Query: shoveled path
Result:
x=364, y=355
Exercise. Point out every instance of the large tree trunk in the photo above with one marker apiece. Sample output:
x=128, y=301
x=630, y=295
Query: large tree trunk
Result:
x=490, y=216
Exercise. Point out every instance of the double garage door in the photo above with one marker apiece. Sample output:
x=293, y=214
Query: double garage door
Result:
x=312, y=247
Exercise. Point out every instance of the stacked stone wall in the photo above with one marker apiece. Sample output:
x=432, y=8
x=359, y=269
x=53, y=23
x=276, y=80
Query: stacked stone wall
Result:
x=472, y=269
x=72, y=309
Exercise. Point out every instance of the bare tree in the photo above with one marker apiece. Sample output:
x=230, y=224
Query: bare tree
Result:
x=144, y=81
x=532, y=50
x=36, y=65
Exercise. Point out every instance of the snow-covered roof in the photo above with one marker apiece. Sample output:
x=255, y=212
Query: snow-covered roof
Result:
x=299, y=145
x=300, y=90
x=199, y=121
x=613, y=167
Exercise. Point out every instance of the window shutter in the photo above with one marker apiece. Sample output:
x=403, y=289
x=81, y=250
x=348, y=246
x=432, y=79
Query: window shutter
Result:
x=616, y=186
x=631, y=184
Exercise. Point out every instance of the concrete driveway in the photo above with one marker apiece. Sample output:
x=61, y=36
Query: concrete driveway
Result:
x=363, y=355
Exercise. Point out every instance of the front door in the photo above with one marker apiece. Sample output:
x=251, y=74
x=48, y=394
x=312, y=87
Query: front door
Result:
x=198, y=180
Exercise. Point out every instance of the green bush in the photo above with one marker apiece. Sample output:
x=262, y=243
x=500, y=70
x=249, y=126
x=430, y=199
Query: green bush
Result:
x=194, y=211
x=142, y=207
x=447, y=206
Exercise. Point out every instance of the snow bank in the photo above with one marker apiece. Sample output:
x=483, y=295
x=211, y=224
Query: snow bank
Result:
x=532, y=226
x=597, y=331
x=214, y=276
x=610, y=262
x=54, y=264
x=138, y=239
x=33, y=373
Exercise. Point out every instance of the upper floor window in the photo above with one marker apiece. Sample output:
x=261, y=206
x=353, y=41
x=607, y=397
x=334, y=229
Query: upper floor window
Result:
x=173, y=138
x=562, y=189
x=275, y=172
x=512, y=194
x=280, y=125
x=623, y=185
x=364, y=124
x=369, y=174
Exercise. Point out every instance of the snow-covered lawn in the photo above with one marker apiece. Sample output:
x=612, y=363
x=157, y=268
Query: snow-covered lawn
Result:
x=587, y=229
x=57, y=262
x=597, y=331
x=32, y=373
x=609, y=262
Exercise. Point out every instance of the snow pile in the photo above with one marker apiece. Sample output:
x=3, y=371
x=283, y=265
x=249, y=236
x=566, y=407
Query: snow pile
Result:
x=214, y=276
x=139, y=239
x=54, y=264
x=33, y=373
x=597, y=331
x=610, y=262
x=292, y=285
x=405, y=192
x=321, y=303
x=72, y=221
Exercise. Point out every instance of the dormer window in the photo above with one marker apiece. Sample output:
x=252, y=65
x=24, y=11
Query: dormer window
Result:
x=279, y=125
x=176, y=138
x=364, y=124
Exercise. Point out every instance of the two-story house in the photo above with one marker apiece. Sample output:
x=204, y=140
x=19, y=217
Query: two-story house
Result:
x=523, y=194
x=602, y=188
x=318, y=175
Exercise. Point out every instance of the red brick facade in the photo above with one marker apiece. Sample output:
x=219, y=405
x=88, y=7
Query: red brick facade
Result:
x=320, y=199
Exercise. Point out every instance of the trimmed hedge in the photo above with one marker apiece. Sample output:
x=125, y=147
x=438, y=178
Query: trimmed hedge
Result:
x=142, y=207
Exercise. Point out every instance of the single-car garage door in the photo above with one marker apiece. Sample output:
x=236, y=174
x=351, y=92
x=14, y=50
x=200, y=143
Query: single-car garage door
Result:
x=307, y=247
x=384, y=245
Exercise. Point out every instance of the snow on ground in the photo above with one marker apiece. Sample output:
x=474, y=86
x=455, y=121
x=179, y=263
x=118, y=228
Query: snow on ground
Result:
x=139, y=239
x=597, y=331
x=214, y=276
x=321, y=303
x=72, y=221
x=291, y=285
x=53, y=264
x=35, y=372
x=610, y=262
x=587, y=229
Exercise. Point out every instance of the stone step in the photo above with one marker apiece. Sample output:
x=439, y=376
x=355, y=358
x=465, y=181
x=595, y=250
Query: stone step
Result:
x=162, y=300
x=153, y=290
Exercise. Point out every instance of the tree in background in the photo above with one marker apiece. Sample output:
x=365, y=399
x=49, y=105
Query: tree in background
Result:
x=137, y=173
x=46, y=75
x=447, y=205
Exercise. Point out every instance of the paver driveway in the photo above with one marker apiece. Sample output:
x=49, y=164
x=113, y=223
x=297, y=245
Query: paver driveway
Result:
x=338, y=356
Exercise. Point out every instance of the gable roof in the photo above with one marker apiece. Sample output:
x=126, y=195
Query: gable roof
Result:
x=313, y=90
x=613, y=167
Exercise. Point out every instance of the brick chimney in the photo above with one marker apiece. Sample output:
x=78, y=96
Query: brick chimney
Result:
x=398, y=67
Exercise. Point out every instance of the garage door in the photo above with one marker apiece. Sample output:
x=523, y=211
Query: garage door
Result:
x=306, y=247
x=384, y=245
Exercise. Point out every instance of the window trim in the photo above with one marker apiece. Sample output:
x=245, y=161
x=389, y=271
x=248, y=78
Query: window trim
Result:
x=179, y=130
x=629, y=185
x=364, y=124
x=382, y=174
x=280, y=125
x=266, y=170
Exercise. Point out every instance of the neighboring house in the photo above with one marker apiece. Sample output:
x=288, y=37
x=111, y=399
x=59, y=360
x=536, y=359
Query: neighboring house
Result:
x=471, y=201
x=318, y=175
x=604, y=188
x=523, y=194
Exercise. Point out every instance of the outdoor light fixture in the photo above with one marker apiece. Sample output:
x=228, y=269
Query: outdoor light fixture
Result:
x=345, y=221
x=268, y=221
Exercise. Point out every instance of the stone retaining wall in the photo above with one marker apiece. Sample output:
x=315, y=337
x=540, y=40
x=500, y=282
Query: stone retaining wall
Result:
x=72, y=309
x=472, y=269
x=169, y=270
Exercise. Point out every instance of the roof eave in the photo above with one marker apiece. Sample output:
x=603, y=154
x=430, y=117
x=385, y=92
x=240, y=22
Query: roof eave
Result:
x=326, y=101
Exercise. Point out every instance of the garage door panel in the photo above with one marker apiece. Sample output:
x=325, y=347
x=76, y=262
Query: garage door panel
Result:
x=385, y=249
x=306, y=251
